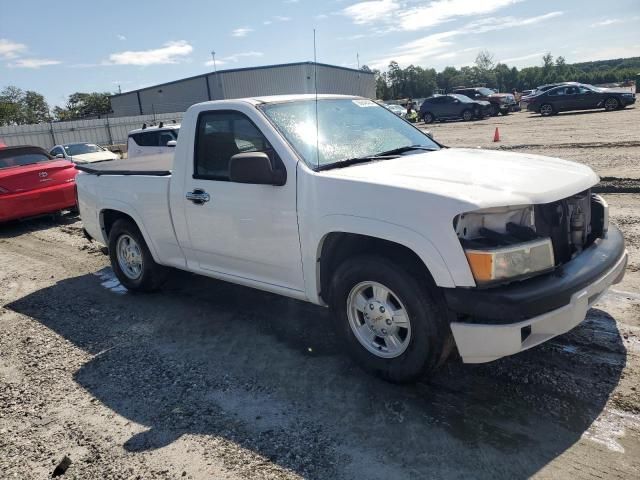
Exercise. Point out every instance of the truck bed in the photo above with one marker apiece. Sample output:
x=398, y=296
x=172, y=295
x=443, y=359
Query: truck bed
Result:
x=153, y=165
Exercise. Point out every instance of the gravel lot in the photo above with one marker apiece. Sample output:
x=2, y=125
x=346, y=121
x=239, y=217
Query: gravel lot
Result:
x=211, y=380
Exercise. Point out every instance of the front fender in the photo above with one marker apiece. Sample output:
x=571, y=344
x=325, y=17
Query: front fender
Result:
x=399, y=234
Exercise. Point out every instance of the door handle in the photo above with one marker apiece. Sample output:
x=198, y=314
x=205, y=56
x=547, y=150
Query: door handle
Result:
x=198, y=196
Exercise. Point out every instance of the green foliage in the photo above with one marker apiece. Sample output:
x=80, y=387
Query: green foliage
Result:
x=19, y=107
x=82, y=105
x=419, y=82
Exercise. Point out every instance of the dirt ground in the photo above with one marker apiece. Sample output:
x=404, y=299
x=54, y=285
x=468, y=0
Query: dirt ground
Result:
x=211, y=380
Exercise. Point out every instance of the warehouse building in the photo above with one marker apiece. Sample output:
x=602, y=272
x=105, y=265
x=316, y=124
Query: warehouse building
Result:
x=288, y=78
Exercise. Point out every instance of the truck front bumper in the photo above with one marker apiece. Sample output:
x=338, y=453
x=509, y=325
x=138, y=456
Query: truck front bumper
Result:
x=505, y=320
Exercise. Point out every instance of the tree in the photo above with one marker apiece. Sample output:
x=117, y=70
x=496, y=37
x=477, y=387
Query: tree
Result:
x=19, y=107
x=81, y=105
x=485, y=61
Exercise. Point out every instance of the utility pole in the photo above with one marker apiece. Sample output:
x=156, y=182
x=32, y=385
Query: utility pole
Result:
x=213, y=55
x=358, y=60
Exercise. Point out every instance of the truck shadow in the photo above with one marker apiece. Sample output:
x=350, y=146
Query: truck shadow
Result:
x=221, y=361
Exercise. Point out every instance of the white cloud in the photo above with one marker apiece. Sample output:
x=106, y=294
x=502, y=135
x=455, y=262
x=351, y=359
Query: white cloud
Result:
x=405, y=15
x=439, y=45
x=523, y=57
x=440, y=11
x=9, y=49
x=241, y=32
x=500, y=23
x=267, y=22
x=234, y=58
x=371, y=11
x=120, y=36
x=291, y=1
x=322, y=16
x=614, y=21
x=170, y=52
x=281, y=18
x=33, y=63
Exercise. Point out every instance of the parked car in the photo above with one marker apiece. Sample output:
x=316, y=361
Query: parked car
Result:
x=578, y=97
x=503, y=103
x=453, y=107
x=524, y=101
x=82, y=153
x=397, y=109
x=334, y=200
x=152, y=140
x=32, y=182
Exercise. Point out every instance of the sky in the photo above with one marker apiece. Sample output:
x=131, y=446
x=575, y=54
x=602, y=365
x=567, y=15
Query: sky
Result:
x=65, y=46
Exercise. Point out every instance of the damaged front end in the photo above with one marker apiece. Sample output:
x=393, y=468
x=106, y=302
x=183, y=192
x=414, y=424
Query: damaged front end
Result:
x=514, y=243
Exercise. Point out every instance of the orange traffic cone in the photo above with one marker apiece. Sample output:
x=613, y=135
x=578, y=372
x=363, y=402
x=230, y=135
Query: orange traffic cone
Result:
x=496, y=136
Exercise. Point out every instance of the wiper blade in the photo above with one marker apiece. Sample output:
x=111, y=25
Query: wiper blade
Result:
x=353, y=161
x=390, y=154
x=407, y=148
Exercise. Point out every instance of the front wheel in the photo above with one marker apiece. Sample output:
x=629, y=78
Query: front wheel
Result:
x=546, y=110
x=131, y=259
x=467, y=115
x=428, y=117
x=394, y=324
x=611, y=104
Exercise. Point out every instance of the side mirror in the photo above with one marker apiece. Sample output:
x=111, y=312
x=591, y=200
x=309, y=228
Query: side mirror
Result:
x=428, y=133
x=172, y=143
x=59, y=155
x=255, y=168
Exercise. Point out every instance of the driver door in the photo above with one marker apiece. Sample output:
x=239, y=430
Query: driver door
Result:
x=244, y=231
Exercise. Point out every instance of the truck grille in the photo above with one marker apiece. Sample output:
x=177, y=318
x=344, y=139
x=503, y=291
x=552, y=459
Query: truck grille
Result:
x=572, y=224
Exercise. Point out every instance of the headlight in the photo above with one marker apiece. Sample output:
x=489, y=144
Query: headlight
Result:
x=501, y=243
x=503, y=263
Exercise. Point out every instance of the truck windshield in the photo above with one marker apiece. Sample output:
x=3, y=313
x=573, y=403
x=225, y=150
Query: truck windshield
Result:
x=347, y=129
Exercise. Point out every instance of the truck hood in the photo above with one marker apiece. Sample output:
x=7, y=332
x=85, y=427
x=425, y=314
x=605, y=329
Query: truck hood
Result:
x=93, y=157
x=483, y=178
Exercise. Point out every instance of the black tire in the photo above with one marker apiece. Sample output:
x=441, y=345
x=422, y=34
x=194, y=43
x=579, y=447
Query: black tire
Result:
x=467, y=115
x=505, y=113
x=430, y=339
x=494, y=110
x=611, y=104
x=428, y=117
x=546, y=110
x=152, y=275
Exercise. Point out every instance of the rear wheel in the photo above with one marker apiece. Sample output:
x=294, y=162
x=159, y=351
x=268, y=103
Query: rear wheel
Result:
x=467, y=115
x=394, y=324
x=428, y=117
x=546, y=110
x=611, y=103
x=131, y=259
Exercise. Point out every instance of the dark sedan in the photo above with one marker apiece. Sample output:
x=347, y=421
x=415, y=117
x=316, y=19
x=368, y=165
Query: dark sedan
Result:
x=578, y=97
x=453, y=107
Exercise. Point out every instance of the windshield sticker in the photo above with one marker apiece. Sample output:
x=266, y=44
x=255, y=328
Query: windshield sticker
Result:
x=364, y=103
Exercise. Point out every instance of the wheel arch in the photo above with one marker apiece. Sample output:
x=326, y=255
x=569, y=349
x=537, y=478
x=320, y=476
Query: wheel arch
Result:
x=399, y=244
x=108, y=217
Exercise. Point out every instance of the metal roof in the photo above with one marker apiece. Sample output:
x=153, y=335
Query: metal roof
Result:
x=230, y=70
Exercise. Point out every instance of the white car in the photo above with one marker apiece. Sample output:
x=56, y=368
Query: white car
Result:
x=336, y=201
x=152, y=140
x=83, y=153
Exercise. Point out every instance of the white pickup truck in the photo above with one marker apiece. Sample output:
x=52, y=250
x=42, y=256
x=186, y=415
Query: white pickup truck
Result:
x=334, y=200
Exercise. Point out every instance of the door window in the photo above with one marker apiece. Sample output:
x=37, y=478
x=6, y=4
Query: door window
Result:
x=165, y=137
x=146, y=139
x=220, y=136
x=56, y=151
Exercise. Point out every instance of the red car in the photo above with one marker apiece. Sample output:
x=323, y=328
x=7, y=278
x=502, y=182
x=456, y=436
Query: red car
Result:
x=32, y=183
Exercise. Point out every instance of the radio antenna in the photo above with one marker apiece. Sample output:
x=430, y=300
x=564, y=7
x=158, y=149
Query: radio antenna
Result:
x=315, y=86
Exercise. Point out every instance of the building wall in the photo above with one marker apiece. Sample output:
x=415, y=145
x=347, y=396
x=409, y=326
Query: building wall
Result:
x=277, y=80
